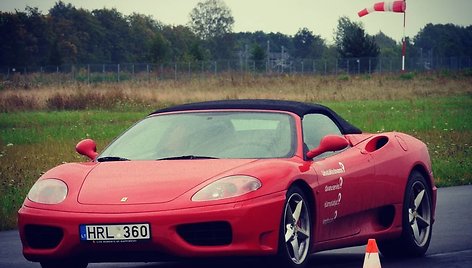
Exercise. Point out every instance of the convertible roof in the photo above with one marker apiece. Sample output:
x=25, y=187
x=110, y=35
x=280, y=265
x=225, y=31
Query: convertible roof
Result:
x=299, y=108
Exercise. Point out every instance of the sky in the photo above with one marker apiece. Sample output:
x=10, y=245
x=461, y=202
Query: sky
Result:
x=285, y=16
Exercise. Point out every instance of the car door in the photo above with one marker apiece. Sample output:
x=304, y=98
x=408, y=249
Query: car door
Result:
x=341, y=176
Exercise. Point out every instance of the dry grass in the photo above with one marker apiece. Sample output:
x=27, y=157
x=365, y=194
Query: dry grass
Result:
x=160, y=93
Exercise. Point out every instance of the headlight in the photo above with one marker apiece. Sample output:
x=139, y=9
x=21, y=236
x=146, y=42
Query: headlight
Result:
x=48, y=191
x=227, y=187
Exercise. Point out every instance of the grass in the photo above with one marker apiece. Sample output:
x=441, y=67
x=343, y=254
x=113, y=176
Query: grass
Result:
x=38, y=136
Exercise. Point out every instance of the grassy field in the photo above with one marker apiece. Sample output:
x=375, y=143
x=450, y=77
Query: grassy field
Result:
x=40, y=127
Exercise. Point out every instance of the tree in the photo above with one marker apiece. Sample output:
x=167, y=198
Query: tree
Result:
x=211, y=19
x=115, y=43
x=185, y=45
x=258, y=55
x=388, y=47
x=352, y=42
x=444, y=40
x=307, y=45
x=142, y=30
x=212, y=22
x=25, y=38
x=160, y=49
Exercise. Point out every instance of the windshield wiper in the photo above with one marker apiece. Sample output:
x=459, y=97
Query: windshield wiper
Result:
x=111, y=158
x=187, y=157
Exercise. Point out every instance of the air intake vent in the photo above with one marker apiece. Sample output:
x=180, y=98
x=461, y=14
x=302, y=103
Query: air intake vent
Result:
x=43, y=237
x=206, y=234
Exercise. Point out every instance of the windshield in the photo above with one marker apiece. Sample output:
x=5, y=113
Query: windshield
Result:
x=206, y=135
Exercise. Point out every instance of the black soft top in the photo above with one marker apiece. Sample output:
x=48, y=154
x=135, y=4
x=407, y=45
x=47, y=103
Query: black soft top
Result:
x=299, y=108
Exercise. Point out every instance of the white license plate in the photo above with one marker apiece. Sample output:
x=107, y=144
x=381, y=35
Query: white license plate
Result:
x=115, y=232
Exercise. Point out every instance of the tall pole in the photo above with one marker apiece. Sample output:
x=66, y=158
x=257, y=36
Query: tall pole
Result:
x=404, y=40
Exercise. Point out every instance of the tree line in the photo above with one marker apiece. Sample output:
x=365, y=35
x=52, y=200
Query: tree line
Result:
x=70, y=35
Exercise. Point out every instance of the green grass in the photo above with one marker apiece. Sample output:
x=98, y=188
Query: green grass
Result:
x=33, y=142
x=41, y=127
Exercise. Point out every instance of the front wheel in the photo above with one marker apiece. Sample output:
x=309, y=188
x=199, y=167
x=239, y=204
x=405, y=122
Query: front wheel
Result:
x=416, y=223
x=295, y=230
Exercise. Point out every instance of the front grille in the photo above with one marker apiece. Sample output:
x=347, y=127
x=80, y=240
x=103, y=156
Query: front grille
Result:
x=206, y=233
x=43, y=237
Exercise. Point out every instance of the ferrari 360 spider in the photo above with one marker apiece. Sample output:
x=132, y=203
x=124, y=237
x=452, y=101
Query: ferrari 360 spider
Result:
x=272, y=178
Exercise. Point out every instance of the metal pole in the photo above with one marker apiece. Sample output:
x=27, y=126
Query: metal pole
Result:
x=404, y=41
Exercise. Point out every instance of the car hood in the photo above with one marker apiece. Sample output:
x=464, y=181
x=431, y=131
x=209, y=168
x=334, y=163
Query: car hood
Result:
x=149, y=182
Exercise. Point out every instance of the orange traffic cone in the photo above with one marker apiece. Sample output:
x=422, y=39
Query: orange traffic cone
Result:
x=371, y=259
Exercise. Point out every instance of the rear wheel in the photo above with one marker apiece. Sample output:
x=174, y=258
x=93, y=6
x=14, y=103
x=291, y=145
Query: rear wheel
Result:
x=295, y=230
x=416, y=223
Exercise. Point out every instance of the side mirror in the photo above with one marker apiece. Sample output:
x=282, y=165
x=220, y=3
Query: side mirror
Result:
x=87, y=147
x=328, y=143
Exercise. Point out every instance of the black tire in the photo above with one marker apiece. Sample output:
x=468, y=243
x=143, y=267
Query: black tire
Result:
x=295, y=230
x=416, y=223
x=64, y=263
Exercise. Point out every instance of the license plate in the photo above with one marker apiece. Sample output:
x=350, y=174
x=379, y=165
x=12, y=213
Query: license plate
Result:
x=114, y=232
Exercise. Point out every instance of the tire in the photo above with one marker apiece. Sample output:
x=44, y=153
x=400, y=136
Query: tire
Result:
x=64, y=263
x=416, y=221
x=295, y=230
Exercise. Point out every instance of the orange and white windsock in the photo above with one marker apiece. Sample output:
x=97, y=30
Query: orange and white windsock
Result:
x=394, y=6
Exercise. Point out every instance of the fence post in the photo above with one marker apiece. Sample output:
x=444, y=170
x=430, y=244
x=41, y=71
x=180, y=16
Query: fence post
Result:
x=216, y=67
x=358, y=66
x=88, y=73
x=201, y=69
x=370, y=65
x=118, y=76
x=161, y=72
x=175, y=71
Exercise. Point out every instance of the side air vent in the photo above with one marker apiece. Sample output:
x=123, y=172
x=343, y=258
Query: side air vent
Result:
x=376, y=143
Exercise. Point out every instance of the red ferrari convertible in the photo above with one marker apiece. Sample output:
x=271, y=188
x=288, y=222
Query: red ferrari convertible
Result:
x=230, y=178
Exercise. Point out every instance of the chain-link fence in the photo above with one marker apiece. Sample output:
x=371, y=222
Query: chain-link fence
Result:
x=97, y=73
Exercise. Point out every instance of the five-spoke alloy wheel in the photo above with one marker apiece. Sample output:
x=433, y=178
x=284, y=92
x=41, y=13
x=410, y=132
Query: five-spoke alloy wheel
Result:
x=417, y=220
x=295, y=229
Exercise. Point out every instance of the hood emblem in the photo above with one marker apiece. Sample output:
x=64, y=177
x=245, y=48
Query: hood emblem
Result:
x=124, y=199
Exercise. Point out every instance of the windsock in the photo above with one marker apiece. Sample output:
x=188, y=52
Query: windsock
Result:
x=395, y=6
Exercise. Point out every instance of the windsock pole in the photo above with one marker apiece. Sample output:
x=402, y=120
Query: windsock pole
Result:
x=404, y=41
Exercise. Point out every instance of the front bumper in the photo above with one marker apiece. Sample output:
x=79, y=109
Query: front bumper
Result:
x=254, y=231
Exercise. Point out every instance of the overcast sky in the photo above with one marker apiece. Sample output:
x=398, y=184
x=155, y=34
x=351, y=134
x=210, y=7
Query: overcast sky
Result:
x=285, y=16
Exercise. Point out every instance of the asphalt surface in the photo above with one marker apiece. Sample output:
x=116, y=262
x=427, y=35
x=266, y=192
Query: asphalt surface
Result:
x=451, y=244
